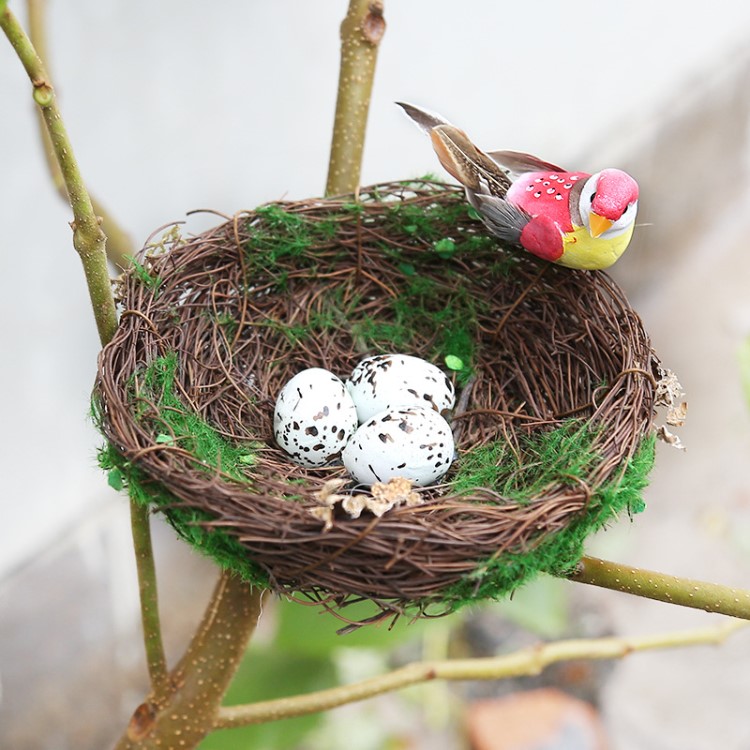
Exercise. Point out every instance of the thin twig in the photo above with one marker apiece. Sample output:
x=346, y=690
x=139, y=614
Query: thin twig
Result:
x=686, y=592
x=144, y=557
x=529, y=661
x=361, y=32
x=519, y=299
x=88, y=238
x=119, y=245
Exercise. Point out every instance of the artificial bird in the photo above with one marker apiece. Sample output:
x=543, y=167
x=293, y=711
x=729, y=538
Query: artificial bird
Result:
x=575, y=219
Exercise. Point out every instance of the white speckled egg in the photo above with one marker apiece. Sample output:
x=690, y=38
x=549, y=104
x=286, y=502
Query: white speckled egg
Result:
x=314, y=417
x=385, y=381
x=413, y=442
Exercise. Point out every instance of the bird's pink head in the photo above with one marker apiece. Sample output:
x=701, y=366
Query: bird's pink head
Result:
x=615, y=191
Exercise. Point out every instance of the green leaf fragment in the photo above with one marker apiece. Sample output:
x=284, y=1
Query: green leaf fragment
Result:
x=452, y=362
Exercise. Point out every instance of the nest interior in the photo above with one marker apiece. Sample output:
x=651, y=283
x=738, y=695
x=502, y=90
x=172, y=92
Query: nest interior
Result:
x=554, y=372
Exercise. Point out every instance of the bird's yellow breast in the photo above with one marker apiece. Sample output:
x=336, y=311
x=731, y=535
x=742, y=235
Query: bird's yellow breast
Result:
x=581, y=250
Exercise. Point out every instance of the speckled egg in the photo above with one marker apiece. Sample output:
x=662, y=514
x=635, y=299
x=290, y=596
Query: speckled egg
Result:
x=413, y=442
x=385, y=381
x=314, y=417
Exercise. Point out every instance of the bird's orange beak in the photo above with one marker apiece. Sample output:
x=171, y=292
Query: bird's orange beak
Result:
x=599, y=225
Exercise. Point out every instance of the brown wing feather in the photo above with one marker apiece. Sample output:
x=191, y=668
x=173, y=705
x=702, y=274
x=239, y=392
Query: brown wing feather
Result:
x=458, y=155
x=470, y=166
x=519, y=162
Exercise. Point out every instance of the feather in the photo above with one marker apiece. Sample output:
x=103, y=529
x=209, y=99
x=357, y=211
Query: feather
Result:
x=458, y=155
x=505, y=220
x=518, y=162
x=424, y=119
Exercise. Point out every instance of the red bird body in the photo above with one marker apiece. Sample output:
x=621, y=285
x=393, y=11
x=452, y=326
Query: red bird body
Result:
x=576, y=219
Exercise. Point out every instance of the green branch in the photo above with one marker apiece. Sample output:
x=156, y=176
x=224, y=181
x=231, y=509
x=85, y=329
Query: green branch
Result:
x=529, y=661
x=89, y=241
x=686, y=592
x=88, y=238
x=144, y=559
x=119, y=245
x=361, y=32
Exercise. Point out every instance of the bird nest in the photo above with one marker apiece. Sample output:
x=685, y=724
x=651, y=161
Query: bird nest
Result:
x=556, y=383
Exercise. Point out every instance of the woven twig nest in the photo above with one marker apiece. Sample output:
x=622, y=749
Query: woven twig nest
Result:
x=555, y=376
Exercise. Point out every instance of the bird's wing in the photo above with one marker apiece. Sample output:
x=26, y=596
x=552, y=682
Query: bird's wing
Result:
x=504, y=220
x=458, y=155
x=519, y=163
x=470, y=166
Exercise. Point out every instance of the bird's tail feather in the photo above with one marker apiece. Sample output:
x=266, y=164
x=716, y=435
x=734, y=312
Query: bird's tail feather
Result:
x=424, y=119
x=458, y=155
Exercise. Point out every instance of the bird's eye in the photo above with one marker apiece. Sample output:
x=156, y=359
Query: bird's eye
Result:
x=591, y=198
x=626, y=209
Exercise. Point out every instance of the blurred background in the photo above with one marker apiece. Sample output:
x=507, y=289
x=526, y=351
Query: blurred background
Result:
x=174, y=106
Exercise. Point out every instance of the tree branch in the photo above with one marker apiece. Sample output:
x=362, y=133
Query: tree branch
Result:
x=89, y=241
x=152, y=637
x=119, y=245
x=361, y=32
x=686, y=592
x=199, y=681
x=88, y=238
x=529, y=661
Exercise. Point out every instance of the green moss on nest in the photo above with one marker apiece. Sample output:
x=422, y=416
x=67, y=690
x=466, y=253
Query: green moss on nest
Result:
x=556, y=554
x=442, y=311
x=215, y=543
x=449, y=316
x=560, y=457
x=277, y=235
x=152, y=282
x=183, y=428
x=179, y=426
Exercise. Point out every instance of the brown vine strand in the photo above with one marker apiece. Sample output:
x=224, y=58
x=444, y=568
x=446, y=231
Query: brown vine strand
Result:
x=569, y=333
